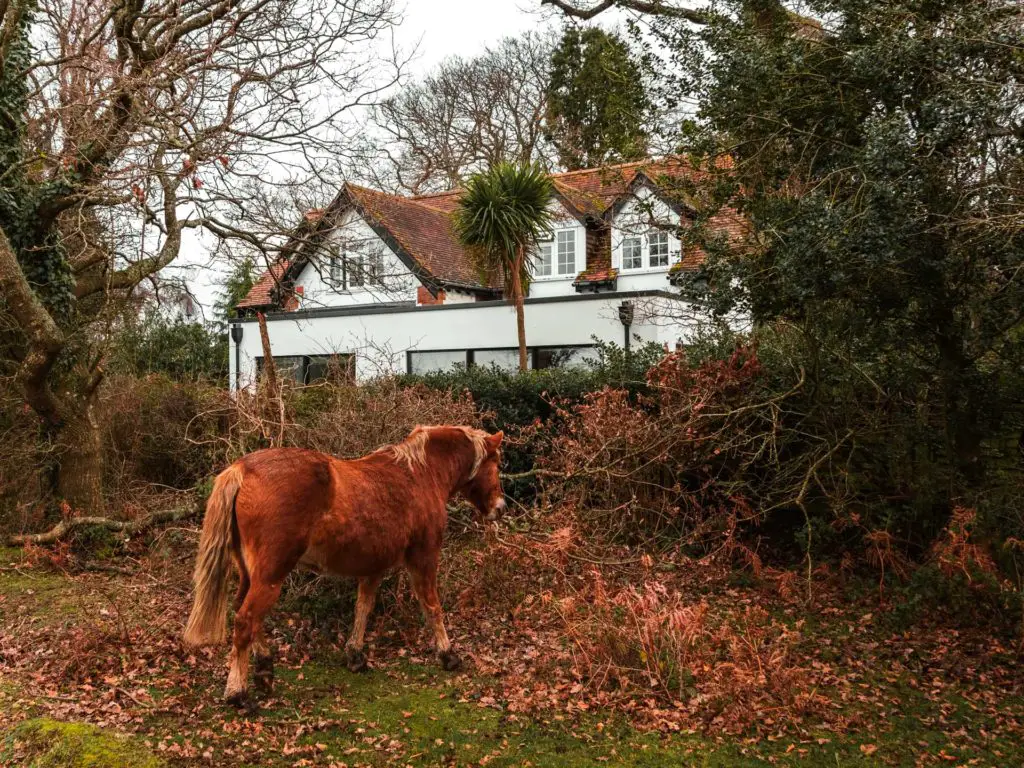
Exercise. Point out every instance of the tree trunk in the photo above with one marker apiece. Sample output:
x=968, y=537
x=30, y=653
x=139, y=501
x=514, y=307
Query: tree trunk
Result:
x=517, y=298
x=80, y=474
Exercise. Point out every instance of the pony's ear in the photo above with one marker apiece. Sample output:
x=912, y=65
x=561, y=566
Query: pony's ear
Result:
x=494, y=441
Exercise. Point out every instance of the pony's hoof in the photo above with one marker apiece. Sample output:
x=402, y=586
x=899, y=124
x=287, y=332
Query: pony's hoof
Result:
x=450, y=661
x=241, y=700
x=355, y=660
x=263, y=675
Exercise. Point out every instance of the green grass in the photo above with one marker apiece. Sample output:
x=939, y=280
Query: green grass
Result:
x=46, y=743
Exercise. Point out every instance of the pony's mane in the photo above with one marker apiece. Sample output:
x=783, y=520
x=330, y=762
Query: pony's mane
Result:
x=413, y=450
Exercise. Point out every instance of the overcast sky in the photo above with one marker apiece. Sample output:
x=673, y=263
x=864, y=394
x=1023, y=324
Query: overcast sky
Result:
x=436, y=29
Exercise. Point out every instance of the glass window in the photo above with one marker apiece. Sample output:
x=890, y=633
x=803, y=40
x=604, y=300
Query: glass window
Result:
x=354, y=268
x=506, y=359
x=542, y=262
x=566, y=242
x=425, y=362
x=657, y=243
x=632, y=253
x=330, y=368
x=286, y=366
x=375, y=266
x=565, y=357
x=337, y=271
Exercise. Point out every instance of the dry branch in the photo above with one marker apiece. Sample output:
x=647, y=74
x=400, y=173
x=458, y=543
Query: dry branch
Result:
x=65, y=527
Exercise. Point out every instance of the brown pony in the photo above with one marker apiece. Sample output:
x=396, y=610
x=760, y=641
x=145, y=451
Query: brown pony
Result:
x=281, y=507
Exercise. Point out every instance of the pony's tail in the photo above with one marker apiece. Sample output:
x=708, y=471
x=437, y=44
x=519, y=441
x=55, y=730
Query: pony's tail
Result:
x=207, y=625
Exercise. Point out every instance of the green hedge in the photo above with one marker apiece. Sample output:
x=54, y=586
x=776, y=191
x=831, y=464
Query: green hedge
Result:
x=513, y=401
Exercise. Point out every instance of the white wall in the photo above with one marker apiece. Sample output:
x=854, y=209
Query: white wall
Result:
x=354, y=235
x=634, y=220
x=381, y=339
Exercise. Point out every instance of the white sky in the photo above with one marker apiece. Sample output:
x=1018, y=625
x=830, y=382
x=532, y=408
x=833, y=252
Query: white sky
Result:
x=436, y=29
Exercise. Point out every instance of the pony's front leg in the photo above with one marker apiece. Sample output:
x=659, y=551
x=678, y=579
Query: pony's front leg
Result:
x=424, y=583
x=355, y=659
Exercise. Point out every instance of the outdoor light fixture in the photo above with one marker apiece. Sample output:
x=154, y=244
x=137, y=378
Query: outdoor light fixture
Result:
x=236, y=336
x=626, y=318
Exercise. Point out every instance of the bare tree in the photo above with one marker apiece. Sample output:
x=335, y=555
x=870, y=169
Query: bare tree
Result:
x=126, y=123
x=468, y=115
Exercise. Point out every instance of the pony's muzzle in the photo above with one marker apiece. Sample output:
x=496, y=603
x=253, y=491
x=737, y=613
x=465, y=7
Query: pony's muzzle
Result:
x=496, y=510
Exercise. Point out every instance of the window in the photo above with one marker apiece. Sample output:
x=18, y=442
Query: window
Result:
x=425, y=362
x=337, y=368
x=506, y=359
x=542, y=262
x=356, y=275
x=566, y=242
x=564, y=357
x=366, y=269
x=632, y=253
x=657, y=244
x=306, y=369
x=337, y=271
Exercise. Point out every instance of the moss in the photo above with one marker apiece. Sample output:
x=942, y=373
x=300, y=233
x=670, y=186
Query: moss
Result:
x=45, y=743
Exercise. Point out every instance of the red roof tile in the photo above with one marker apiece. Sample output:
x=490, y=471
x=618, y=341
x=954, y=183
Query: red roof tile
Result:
x=424, y=231
x=261, y=294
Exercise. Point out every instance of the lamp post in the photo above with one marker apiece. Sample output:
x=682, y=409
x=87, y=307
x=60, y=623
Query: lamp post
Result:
x=626, y=318
x=236, y=337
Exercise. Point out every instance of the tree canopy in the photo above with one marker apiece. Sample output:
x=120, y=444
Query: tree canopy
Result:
x=597, y=102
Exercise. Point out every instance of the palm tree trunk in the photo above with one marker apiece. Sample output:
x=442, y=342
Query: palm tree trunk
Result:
x=517, y=297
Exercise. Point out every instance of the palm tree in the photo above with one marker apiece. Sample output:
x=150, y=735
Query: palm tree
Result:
x=501, y=216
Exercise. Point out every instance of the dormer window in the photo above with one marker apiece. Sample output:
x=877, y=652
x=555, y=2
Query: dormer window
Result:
x=632, y=253
x=565, y=239
x=542, y=262
x=557, y=257
x=657, y=245
x=650, y=251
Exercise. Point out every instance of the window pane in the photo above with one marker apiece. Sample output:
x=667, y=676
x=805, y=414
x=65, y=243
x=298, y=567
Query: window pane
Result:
x=542, y=261
x=287, y=367
x=425, y=362
x=506, y=359
x=355, y=271
x=657, y=242
x=375, y=267
x=632, y=257
x=566, y=357
x=330, y=368
x=566, y=240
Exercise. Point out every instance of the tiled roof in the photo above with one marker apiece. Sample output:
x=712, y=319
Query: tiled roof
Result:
x=261, y=294
x=420, y=228
x=424, y=231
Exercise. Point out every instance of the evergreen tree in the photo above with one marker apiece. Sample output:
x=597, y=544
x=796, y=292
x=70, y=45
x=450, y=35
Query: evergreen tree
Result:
x=598, y=107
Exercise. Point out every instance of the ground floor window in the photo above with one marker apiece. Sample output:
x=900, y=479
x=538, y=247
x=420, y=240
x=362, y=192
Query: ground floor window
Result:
x=506, y=358
x=309, y=369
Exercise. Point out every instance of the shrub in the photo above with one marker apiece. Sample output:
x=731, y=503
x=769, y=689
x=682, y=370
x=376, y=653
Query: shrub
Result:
x=517, y=402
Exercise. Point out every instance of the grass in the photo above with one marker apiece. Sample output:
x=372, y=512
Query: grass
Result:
x=46, y=743
x=405, y=713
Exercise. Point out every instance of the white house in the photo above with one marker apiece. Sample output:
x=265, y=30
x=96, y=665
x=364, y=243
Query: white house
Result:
x=379, y=283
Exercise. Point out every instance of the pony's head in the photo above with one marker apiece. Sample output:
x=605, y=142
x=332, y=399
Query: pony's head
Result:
x=483, y=486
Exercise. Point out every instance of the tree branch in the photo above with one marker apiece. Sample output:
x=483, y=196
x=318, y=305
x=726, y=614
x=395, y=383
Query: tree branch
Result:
x=66, y=527
x=652, y=7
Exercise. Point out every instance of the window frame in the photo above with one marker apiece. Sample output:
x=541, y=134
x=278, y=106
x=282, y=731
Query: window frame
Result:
x=553, y=263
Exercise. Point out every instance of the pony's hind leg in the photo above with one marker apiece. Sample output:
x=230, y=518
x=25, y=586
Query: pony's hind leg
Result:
x=263, y=663
x=259, y=599
x=355, y=659
x=424, y=583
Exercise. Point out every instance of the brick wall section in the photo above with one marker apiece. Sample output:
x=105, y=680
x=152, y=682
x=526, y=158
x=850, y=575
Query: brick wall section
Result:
x=599, y=255
x=423, y=296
